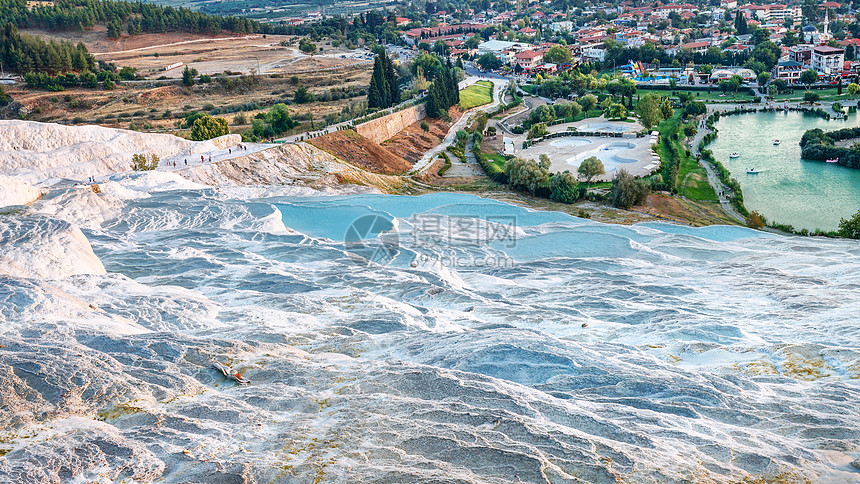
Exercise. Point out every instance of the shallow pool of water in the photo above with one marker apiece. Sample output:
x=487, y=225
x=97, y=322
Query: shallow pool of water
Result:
x=803, y=193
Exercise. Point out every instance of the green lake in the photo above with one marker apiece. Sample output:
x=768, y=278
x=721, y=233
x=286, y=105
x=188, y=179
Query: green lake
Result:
x=788, y=190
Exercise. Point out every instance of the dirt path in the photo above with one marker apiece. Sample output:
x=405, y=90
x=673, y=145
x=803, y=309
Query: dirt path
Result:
x=713, y=179
x=184, y=42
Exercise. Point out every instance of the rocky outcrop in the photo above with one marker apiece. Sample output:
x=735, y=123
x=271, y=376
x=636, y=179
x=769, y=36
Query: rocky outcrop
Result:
x=16, y=192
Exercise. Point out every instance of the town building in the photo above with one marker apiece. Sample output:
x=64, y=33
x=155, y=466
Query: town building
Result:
x=528, y=59
x=827, y=60
x=789, y=71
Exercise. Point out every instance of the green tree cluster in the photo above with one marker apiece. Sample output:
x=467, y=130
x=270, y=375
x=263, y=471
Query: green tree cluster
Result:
x=527, y=174
x=384, y=88
x=307, y=46
x=489, y=62
x=627, y=190
x=563, y=188
x=623, y=88
x=850, y=227
x=140, y=162
x=272, y=123
x=25, y=53
x=444, y=93
x=141, y=17
x=557, y=54
x=648, y=110
x=537, y=131
x=206, y=127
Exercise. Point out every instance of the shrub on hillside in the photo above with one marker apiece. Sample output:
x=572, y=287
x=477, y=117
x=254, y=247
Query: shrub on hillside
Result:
x=627, y=190
x=140, y=162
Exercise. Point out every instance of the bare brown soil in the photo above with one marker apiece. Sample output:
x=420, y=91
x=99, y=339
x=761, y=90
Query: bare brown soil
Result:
x=684, y=211
x=146, y=106
x=413, y=142
x=97, y=42
x=150, y=54
x=360, y=151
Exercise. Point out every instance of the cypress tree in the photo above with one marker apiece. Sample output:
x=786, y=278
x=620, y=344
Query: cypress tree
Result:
x=442, y=85
x=432, y=103
x=377, y=94
x=455, y=88
x=391, y=79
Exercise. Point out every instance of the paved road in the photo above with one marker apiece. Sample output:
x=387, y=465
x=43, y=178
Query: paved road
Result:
x=498, y=93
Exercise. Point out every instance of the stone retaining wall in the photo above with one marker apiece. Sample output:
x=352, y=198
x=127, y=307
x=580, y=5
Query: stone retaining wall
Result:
x=381, y=129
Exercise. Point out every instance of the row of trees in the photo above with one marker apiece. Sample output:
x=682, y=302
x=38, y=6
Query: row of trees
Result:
x=563, y=187
x=762, y=58
x=444, y=93
x=41, y=80
x=27, y=53
x=384, y=90
x=141, y=17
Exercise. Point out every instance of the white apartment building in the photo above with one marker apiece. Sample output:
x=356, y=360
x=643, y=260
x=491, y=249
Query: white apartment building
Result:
x=827, y=60
x=773, y=13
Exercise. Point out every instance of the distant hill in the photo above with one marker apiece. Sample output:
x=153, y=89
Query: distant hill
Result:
x=120, y=16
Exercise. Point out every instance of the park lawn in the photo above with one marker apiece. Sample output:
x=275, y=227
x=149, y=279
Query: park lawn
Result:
x=826, y=94
x=715, y=95
x=666, y=128
x=694, y=181
x=477, y=94
x=498, y=160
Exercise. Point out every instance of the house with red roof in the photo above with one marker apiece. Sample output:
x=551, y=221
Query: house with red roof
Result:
x=528, y=59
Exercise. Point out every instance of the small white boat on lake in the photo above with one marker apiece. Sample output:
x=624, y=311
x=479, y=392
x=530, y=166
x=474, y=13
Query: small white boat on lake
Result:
x=735, y=155
x=752, y=171
x=832, y=160
x=776, y=142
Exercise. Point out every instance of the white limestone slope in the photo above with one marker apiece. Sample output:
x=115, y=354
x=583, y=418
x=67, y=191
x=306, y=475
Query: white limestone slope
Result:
x=38, y=152
x=16, y=192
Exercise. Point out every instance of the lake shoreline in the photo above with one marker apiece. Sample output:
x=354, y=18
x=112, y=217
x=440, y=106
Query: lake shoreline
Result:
x=795, y=195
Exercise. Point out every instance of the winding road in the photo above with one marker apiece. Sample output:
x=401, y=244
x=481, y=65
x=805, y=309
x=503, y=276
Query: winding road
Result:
x=498, y=92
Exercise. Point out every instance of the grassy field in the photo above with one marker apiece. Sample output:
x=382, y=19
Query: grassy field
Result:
x=692, y=181
x=826, y=94
x=476, y=95
x=498, y=160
